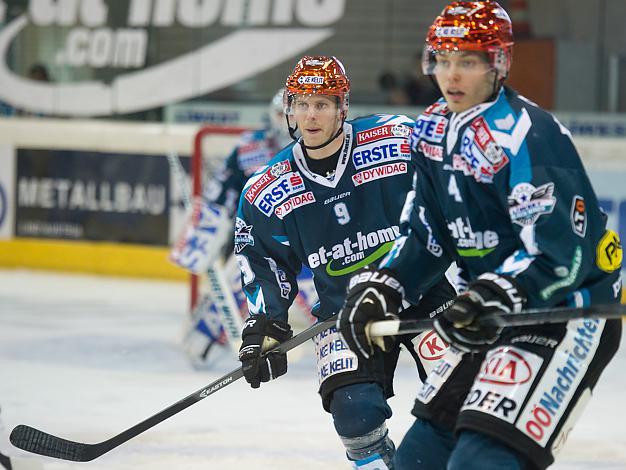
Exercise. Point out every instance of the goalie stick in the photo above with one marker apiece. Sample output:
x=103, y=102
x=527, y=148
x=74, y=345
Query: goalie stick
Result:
x=536, y=316
x=222, y=295
x=39, y=442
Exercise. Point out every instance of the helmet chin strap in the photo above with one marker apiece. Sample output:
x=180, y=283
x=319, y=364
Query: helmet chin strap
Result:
x=316, y=147
x=292, y=133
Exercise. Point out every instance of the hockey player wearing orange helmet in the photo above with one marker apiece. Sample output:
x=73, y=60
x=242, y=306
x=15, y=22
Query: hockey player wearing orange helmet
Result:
x=501, y=190
x=331, y=201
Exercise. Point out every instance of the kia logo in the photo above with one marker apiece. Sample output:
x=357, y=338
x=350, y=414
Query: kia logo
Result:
x=505, y=367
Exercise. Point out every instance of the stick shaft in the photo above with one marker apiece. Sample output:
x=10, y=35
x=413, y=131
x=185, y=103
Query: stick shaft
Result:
x=39, y=442
x=525, y=318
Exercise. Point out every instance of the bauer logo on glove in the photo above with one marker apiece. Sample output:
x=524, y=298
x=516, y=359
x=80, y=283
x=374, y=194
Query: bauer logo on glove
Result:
x=372, y=295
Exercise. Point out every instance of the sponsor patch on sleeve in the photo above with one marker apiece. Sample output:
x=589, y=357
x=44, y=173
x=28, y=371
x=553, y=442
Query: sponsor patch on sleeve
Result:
x=609, y=252
x=266, y=178
x=294, y=202
x=578, y=216
x=278, y=191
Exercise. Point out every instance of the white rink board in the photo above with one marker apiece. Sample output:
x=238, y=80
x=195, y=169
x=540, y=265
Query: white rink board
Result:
x=85, y=357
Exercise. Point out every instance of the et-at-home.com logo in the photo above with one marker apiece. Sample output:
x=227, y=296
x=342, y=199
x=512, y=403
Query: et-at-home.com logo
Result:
x=260, y=36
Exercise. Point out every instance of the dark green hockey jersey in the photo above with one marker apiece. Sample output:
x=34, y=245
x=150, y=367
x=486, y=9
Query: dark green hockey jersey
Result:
x=289, y=216
x=501, y=188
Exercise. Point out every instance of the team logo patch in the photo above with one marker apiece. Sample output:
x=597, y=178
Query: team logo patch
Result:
x=527, y=203
x=609, y=252
x=243, y=235
x=372, y=154
x=578, y=216
x=265, y=179
x=367, y=176
x=294, y=202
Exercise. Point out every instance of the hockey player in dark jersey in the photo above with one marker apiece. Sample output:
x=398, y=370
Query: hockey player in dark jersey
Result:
x=331, y=201
x=500, y=189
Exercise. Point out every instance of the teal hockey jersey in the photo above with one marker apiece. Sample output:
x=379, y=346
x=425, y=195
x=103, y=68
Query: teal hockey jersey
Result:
x=501, y=188
x=289, y=216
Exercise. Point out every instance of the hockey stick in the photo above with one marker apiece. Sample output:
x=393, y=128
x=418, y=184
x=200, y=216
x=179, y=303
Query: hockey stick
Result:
x=39, y=442
x=535, y=316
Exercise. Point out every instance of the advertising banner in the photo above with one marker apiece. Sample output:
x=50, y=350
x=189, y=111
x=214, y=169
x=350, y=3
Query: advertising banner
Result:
x=125, y=57
x=69, y=194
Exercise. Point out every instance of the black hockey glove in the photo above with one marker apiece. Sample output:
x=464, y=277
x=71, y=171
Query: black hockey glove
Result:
x=471, y=324
x=259, y=335
x=372, y=295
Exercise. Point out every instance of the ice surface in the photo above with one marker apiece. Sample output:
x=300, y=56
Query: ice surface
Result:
x=85, y=357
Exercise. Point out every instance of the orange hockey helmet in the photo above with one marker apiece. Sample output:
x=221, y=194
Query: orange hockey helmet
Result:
x=471, y=26
x=318, y=75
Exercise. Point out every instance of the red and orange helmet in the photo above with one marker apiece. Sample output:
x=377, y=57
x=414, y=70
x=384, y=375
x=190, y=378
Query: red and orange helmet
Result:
x=471, y=26
x=318, y=75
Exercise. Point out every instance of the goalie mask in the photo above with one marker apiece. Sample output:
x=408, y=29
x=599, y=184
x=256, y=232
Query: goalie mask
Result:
x=471, y=26
x=317, y=75
x=277, y=125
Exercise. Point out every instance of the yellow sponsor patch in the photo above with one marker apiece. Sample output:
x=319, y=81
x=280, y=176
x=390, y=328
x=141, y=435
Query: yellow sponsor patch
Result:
x=609, y=252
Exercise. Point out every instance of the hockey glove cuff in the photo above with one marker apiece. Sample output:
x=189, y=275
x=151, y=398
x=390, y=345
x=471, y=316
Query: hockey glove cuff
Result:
x=472, y=323
x=259, y=335
x=372, y=295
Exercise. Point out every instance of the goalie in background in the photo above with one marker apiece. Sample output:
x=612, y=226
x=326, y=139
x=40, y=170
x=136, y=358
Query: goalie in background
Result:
x=208, y=233
x=501, y=189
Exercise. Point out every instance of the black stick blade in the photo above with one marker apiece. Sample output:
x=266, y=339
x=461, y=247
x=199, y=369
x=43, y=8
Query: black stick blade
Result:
x=36, y=441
